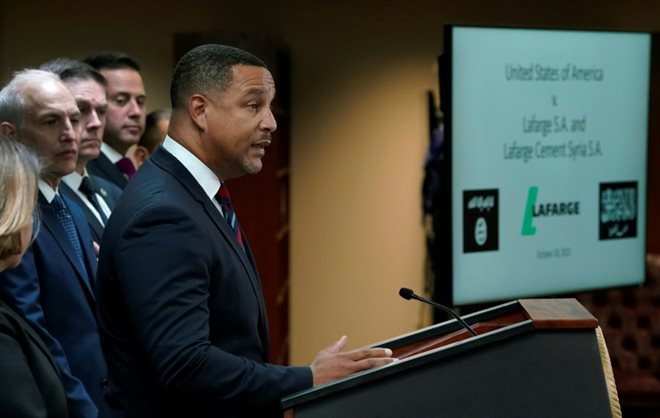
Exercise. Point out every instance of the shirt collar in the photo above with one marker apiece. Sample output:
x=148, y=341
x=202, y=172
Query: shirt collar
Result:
x=112, y=154
x=47, y=191
x=73, y=180
x=200, y=172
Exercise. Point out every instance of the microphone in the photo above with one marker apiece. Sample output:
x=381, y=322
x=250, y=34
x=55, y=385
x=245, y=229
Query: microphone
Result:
x=408, y=294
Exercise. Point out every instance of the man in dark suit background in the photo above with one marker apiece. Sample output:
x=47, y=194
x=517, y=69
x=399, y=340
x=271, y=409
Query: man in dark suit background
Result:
x=52, y=286
x=95, y=196
x=125, y=116
x=180, y=302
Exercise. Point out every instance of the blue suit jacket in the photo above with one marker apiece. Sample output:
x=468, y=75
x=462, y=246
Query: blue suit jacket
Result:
x=181, y=309
x=104, y=168
x=110, y=193
x=53, y=292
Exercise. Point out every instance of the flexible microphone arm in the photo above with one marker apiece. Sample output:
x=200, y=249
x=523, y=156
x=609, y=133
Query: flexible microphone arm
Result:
x=408, y=294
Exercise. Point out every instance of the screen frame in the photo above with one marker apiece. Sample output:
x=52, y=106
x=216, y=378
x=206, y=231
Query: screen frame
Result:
x=445, y=227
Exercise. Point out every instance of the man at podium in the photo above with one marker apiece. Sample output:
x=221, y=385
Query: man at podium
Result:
x=180, y=303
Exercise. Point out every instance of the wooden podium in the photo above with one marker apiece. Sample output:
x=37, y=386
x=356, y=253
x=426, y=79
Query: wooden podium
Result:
x=532, y=358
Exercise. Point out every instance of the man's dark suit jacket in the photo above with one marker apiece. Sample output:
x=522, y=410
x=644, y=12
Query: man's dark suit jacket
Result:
x=53, y=292
x=29, y=378
x=110, y=193
x=104, y=168
x=181, y=308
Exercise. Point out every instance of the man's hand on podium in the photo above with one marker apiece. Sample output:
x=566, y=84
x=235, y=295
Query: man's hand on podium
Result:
x=333, y=363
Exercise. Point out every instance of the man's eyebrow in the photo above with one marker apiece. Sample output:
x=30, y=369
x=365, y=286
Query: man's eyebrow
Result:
x=258, y=91
x=255, y=91
x=52, y=113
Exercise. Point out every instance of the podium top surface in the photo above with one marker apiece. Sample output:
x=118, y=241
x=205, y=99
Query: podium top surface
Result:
x=558, y=313
x=442, y=341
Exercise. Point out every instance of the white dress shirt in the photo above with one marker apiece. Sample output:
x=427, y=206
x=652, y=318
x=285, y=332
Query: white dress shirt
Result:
x=73, y=180
x=200, y=172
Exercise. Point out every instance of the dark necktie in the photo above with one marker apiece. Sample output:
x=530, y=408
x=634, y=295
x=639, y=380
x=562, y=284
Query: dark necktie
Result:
x=89, y=189
x=125, y=165
x=64, y=216
x=224, y=199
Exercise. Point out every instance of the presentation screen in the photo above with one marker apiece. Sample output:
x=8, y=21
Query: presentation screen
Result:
x=547, y=138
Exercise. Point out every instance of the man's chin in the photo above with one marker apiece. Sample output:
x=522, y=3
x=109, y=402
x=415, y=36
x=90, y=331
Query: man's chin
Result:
x=89, y=155
x=130, y=139
x=56, y=172
x=253, y=168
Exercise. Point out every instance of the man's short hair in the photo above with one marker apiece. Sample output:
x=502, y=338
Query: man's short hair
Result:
x=149, y=142
x=13, y=104
x=207, y=68
x=112, y=61
x=72, y=70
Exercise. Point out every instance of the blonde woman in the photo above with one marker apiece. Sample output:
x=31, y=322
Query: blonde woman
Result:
x=30, y=383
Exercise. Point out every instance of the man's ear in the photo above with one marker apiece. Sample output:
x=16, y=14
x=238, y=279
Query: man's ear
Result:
x=141, y=154
x=8, y=129
x=197, y=107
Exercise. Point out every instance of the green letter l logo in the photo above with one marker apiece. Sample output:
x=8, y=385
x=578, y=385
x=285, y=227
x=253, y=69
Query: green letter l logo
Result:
x=527, y=227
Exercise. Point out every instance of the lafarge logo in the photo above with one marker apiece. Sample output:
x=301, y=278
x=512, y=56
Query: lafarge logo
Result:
x=618, y=210
x=535, y=210
x=480, y=220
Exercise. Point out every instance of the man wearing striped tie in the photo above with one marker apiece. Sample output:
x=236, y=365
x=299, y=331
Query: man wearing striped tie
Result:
x=181, y=309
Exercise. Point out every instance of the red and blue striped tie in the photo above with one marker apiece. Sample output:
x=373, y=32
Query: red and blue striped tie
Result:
x=224, y=199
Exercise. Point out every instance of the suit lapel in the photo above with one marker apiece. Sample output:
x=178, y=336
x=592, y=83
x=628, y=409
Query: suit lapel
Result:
x=110, y=171
x=55, y=228
x=109, y=191
x=94, y=224
x=20, y=322
x=246, y=260
x=167, y=162
x=230, y=237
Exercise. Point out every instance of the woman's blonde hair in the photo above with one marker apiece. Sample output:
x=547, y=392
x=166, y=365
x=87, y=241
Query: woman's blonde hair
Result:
x=19, y=176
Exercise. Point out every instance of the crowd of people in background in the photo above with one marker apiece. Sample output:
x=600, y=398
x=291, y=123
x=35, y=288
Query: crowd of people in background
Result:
x=79, y=118
x=173, y=323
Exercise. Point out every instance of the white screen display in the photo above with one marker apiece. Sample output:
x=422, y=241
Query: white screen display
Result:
x=549, y=156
